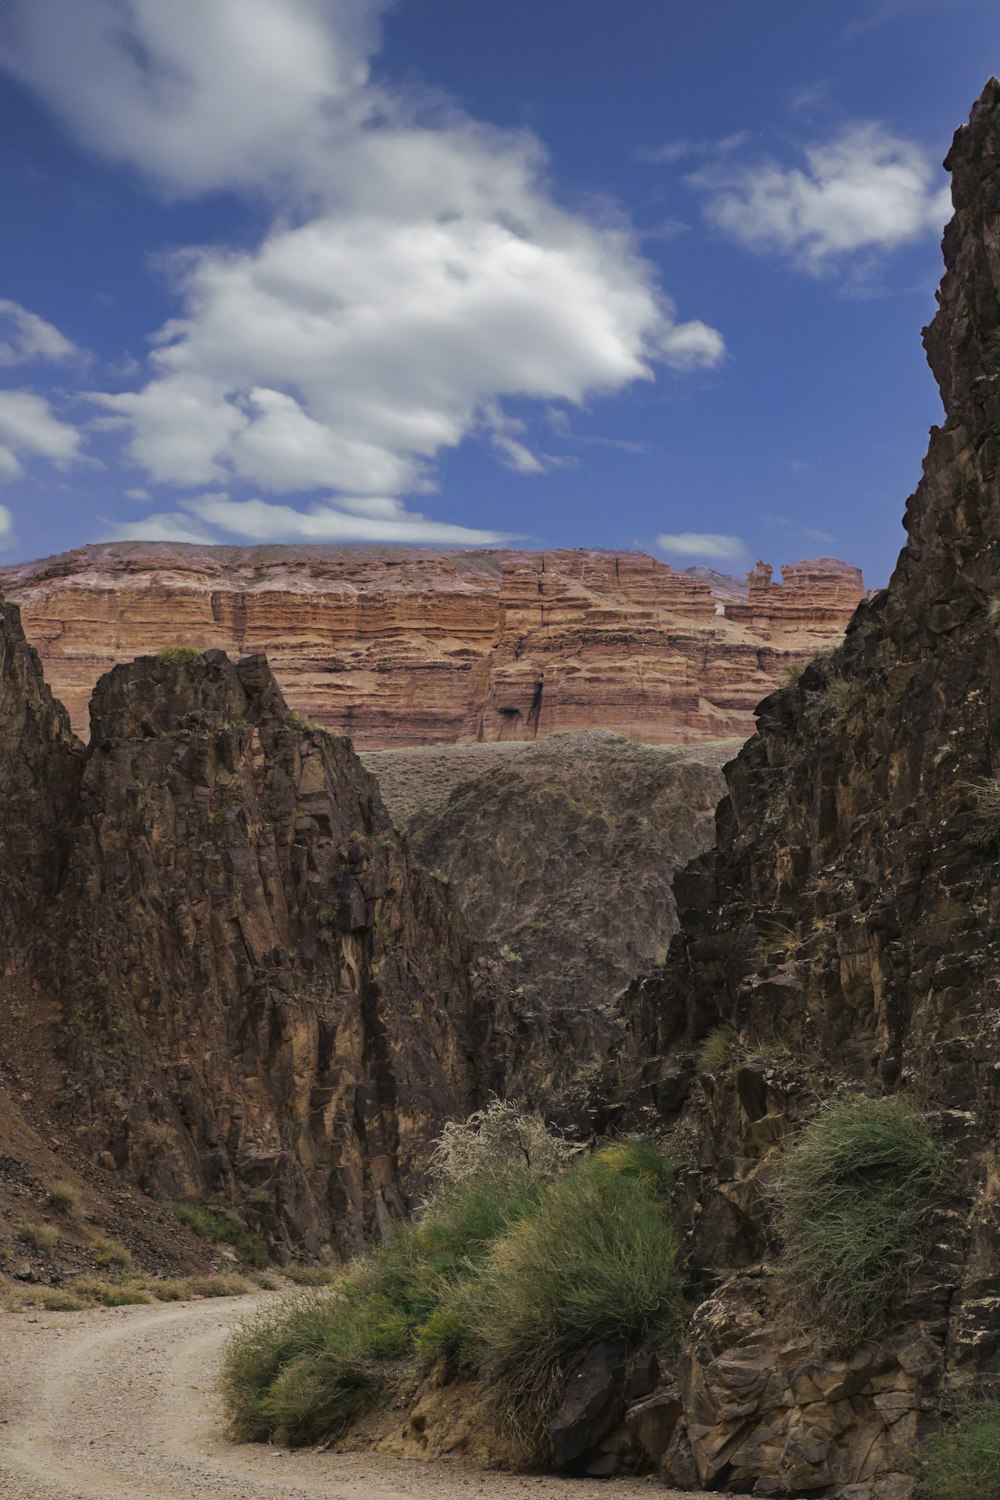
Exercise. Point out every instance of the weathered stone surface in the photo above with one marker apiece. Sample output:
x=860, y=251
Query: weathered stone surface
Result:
x=847, y=928
x=408, y=647
x=651, y=1424
x=247, y=988
x=593, y=1403
x=561, y=853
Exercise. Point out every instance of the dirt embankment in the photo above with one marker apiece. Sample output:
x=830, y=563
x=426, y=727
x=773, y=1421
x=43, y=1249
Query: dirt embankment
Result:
x=119, y=1405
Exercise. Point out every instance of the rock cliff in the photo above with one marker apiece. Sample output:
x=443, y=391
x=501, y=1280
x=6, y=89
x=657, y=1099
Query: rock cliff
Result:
x=847, y=929
x=562, y=853
x=411, y=647
x=222, y=972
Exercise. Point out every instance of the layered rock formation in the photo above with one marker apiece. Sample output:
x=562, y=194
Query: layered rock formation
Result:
x=847, y=928
x=401, y=647
x=222, y=973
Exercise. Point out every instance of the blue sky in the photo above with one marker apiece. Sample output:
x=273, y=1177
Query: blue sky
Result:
x=575, y=272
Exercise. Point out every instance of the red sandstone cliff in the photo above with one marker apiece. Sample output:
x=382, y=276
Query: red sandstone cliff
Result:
x=401, y=647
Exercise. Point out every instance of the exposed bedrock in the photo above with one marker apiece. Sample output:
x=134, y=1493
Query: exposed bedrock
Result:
x=847, y=927
x=233, y=979
x=398, y=646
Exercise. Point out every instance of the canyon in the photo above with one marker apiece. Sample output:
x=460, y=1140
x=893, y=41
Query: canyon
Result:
x=227, y=974
x=398, y=647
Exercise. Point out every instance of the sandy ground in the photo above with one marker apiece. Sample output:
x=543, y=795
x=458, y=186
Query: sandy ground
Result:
x=117, y=1404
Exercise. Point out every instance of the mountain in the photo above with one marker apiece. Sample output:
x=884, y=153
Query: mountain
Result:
x=400, y=647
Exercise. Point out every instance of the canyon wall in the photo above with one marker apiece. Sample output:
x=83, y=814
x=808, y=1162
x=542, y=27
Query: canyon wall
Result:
x=222, y=974
x=411, y=647
x=847, y=931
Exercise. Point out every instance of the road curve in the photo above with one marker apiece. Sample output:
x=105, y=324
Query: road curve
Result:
x=118, y=1404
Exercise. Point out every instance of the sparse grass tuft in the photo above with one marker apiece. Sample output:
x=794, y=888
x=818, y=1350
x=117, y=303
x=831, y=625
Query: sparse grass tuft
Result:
x=857, y=1186
x=58, y=1299
x=100, y=1292
x=108, y=1252
x=713, y=1054
x=215, y=1227
x=303, y=1275
x=63, y=1196
x=789, y=674
x=179, y=654
x=41, y=1237
x=987, y=795
x=838, y=694
x=124, y=1291
x=962, y=1461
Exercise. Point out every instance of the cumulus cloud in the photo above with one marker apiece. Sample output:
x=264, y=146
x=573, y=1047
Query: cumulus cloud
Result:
x=30, y=428
x=236, y=93
x=420, y=271
x=866, y=190
x=24, y=337
x=213, y=518
x=710, y=544
x=6, y=527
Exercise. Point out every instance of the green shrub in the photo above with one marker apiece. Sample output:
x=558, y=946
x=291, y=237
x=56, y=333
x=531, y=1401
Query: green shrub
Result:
x=962, y=1461
x=598, y=1257
x=211, y=1225
x=856, y=1189
x=713, y=1054
x=295, y=1372
x=505, y=1269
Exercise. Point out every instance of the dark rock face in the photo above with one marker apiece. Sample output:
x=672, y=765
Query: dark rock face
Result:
x=562, y=854
x=846, y=927
x=250, y=989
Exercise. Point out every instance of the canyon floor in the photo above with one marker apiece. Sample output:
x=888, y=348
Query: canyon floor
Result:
x=118, y=1404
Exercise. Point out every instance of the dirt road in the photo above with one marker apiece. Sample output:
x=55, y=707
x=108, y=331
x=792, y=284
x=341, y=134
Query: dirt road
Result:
x=117, y=1404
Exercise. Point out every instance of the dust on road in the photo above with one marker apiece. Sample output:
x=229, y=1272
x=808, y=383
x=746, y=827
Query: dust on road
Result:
x=118, y=1404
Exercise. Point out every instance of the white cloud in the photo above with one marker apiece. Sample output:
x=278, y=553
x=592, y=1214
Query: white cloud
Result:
x=164, y=527
x=866, y=190
x=702, y=544
x=671, y=151
x=235, y=93
x=29, y=428
x=139, y=495
x=421, y=271
x=347, y=352
x=6, y=527
x=213, y=518
x=24, y=336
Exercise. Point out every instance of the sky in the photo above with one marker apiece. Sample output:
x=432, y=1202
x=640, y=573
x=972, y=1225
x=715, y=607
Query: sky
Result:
x=545, y=273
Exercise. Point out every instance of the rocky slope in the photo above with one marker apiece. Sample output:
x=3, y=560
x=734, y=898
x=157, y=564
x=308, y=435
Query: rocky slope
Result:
x=410, y=647
x=562, y=853
x=222, y=973
x=847, y=928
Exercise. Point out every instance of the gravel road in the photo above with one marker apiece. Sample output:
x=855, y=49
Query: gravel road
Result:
x=117, y=1404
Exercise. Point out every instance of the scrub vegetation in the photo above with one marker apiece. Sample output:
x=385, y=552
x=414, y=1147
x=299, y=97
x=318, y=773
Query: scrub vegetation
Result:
x=519, y=1262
